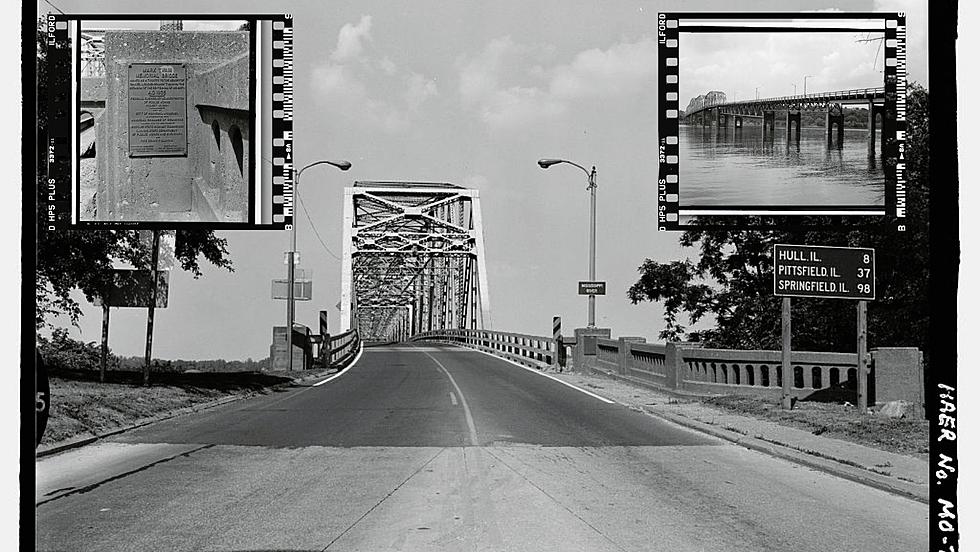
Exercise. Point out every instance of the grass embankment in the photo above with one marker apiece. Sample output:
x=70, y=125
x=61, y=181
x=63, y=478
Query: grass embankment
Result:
x=82, y=406
x=840, y=421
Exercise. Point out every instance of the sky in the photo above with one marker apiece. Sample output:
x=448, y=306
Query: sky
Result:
x=471, y=93
x=739, y=63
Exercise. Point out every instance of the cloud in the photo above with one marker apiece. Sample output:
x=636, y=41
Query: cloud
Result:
x=349, y=41
x=369, y=90
x=510, y=85
x=418, y=89
x=621, y=70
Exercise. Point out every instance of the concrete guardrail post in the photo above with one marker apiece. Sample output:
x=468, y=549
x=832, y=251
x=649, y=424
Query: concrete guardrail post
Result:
x=626, y=352
x=673, y=366
x=898, y=376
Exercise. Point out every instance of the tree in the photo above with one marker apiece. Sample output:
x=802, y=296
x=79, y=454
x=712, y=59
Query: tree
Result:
x=82, y=259
x=732, y=278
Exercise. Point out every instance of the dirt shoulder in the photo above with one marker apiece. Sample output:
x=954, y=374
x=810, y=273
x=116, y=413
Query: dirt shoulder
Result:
x=907, y=437
x=839, y=421
x=81, y=406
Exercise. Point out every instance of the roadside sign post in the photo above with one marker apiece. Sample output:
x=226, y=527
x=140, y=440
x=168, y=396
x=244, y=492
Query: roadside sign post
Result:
x=825, y=272
x=105, y=341
x=153, y=303
x=862, y=353
x=787, y=332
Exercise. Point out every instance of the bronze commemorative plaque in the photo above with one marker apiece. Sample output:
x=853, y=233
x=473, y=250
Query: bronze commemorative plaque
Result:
x=157, y=109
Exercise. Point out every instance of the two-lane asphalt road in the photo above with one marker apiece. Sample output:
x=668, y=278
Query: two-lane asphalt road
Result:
x=439, y=448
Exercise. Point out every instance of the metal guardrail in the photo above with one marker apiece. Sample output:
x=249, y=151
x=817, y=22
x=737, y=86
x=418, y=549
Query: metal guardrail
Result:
x=342, y=348
x=529, y=350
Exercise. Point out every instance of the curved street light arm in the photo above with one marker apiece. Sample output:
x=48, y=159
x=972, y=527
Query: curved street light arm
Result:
x=342, y=165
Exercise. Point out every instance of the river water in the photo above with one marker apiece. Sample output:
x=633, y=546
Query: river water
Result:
x=739, y=169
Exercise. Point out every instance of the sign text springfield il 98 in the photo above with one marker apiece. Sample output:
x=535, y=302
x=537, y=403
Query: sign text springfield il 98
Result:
x=822, y=271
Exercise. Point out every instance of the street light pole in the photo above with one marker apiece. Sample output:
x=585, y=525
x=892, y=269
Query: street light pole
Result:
x=592, y=187
x=291, y=271
x=794, y=88
x=804, y=83
x=546, y=163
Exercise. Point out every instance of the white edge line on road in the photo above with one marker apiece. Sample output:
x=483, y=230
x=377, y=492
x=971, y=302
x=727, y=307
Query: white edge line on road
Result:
x=540, y=373
x=344, y=371
x=466, y=408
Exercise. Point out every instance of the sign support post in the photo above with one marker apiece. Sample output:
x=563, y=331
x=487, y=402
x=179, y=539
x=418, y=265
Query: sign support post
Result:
x=103, y=358
x=826, y=272
x=152, y=307
x=787, y=332
x=862, y=356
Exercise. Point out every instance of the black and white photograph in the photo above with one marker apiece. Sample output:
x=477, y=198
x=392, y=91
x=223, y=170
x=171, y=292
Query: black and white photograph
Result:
x=375, y=276
x=783, y=118
x=165, y=122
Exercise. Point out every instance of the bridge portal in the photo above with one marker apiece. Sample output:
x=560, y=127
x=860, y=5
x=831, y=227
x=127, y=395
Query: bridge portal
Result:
x=413, y=259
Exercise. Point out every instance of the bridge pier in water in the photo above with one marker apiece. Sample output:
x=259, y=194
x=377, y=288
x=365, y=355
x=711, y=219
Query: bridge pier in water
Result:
x=874, y=110
x=792, y=118
x=835, y=118
x=723, y=124
x=768, y=125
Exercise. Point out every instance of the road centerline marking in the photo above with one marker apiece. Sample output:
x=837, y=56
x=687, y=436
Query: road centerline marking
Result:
x=462, y=399
x=542, y=374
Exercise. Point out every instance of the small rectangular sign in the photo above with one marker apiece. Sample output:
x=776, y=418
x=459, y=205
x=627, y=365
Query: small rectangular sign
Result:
x=157, y=117
x=591, y=288
x=822, y=271
x=302, y=290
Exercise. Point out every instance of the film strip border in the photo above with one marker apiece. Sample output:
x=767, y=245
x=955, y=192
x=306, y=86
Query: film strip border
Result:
x=283, y=206
x=893, y=120
x=55, y=193
x=667, y=181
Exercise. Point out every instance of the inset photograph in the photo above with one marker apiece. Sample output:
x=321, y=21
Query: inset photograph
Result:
x=165, y=121
x=784, y=117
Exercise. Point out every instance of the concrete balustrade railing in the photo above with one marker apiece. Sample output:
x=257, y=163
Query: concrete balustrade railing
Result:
x=689, y=367
x=530, y=350
x=895, y=372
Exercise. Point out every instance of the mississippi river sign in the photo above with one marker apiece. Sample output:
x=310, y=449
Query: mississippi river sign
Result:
x=820, y=271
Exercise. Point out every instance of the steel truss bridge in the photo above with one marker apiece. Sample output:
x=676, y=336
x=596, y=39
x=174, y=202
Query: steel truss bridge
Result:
x=766, y=108
x=413, y=260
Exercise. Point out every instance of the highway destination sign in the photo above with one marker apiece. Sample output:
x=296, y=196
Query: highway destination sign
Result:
x=820, y=271
x=829, y=272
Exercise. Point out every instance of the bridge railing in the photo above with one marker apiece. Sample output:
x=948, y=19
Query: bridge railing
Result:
x=342, y=349
x=691, y=368
x=534, y=351
x=894, y=372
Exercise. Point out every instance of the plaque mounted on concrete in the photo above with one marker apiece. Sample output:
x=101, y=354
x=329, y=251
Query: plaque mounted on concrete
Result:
x=157, y=118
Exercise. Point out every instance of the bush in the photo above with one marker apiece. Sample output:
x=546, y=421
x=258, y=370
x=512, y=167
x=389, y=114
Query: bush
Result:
x=61, y=352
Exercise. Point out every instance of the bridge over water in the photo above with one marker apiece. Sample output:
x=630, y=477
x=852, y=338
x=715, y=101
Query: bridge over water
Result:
x=831, y=103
